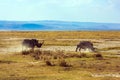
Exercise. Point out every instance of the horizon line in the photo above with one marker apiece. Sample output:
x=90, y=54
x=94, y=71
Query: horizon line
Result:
x=56, y=20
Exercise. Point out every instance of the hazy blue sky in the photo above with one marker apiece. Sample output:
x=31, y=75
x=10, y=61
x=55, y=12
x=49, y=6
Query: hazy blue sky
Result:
x=65, y=10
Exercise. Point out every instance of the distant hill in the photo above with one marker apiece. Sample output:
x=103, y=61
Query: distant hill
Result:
x=56, y=25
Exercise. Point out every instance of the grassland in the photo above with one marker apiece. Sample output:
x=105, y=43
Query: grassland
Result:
x=62, y=34
x=15, y=66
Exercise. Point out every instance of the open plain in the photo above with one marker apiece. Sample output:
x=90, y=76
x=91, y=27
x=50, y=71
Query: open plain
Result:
x=15, y=66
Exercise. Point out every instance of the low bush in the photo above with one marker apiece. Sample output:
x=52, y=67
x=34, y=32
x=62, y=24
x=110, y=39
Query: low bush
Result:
x=63, y=63
x=98, y=56
x=25, y=52
x=49, y=63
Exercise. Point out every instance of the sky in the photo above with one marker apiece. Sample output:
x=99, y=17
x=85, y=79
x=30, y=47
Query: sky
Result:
x=62, y=10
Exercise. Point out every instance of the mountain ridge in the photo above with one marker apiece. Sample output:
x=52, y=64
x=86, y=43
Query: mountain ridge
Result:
x=56, y=25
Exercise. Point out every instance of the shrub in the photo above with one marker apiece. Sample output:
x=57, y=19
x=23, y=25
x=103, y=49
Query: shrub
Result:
x=48, y=63
x=98, y=56
x=25, y=52
x=63, y=63
x=54, y=57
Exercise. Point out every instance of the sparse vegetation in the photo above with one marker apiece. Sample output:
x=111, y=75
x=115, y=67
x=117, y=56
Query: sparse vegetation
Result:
x=49, y=63
x=63, y=63
x=110, y=48
x=98, y=56
x=59, y=64
x=25, y=52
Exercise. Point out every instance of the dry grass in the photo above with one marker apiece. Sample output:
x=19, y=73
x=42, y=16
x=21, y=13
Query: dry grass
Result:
x=63, y=34
x=110, y=48
x=58, y=65
x=24, y=67
x=98, y=56
x=52, y=37
x=63, y=63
